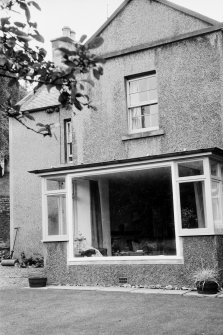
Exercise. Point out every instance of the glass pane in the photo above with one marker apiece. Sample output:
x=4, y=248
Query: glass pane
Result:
x=136, y=118
x=143, y=84
x=134, y=99
x=141, y=213
x=56, y=183
x=214, y=168
x=56, y=206
x=133, y=86
x=152, y=95
x=192, y=199
x=216, y=207
x=193, y=168
x=221, y=172
x=152, y=83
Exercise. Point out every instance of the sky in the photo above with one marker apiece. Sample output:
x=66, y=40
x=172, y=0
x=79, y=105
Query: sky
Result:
x=86, y=16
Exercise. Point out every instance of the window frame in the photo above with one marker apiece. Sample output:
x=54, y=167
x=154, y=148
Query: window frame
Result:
x=45, y=193
x=147, y=103
x=205, y=178
x=95, y=172
x=66, y=143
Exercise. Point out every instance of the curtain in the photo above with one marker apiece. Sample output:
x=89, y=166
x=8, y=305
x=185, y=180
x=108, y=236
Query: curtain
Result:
x=96, y=222
x=136, y=118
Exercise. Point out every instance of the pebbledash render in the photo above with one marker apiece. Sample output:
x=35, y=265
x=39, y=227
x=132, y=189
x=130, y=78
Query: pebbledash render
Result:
x=131, y=192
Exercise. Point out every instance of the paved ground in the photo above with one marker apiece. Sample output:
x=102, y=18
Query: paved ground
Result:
x=26, y=311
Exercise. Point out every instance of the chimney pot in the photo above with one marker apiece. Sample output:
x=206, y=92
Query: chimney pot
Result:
x=66, y=31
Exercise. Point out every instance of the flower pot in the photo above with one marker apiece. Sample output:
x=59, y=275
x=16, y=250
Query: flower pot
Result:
x=207, y=287
x=37, y=281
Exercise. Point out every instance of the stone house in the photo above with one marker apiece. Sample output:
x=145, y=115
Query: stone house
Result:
x=133, y=191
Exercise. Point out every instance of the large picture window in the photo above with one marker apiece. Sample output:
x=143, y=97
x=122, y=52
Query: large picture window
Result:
x=143, y=104
x=126, y=214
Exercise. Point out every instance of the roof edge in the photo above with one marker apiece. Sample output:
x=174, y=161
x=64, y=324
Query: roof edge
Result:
x=213, y=150
x=189, y=12
x=162, y=42
x=164, y=2
x=109, y=20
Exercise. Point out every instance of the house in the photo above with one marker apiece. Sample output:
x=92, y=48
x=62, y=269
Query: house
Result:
x=133, y=191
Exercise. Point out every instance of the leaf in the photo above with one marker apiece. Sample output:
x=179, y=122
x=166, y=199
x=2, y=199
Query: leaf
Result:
x=67, y=52
x=12, y=82
x=83, y=38
x=19, y=24
x=34, y=4
x=89, y=81
x=77, y=104
x=33, y=24
x=39, y=124
x=4, y=21
x=96, y=74
x=96, y=43
x=29, y=116
x=24, y=38
x=39, y=38
x=41, y=129
x=98, y=59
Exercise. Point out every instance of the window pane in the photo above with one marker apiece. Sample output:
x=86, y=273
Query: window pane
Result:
x=190, y=169
x=55, y=184
x=143, y=84
x=150, y=114
x=133, y=86
x=56, y=206
x=136, y=118
x=216, y=207
x=141, y=213
x=192, y=199
x=152, y=95
x=214, y=168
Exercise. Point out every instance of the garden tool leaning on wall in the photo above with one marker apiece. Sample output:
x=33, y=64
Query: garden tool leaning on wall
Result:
x=10, y=261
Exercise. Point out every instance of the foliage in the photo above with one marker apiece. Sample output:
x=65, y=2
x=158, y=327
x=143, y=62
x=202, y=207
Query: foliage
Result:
x=206, y=274
x=36, y=262
x=5, y=93
x=19, y=60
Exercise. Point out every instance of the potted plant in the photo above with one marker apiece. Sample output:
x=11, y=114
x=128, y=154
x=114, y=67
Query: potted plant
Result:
x=206, y=280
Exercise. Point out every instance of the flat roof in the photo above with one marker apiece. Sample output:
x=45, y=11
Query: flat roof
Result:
x=70, y=167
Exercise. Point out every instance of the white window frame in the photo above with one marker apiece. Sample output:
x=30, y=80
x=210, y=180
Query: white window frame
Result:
x=145, y=103
x=84, y=173
x=68, y=140
x=205, y=178
x=45, y=194
x=219, y=180
x=158, y=259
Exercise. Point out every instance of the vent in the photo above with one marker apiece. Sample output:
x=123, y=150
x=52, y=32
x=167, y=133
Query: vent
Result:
x=122, y=280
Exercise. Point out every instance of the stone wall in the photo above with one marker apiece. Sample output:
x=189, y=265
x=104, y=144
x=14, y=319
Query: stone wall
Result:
x=4, y=221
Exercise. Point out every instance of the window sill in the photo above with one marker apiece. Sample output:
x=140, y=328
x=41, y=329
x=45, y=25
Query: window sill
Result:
x=55, y=239
x=143, y=134
x=125, y=260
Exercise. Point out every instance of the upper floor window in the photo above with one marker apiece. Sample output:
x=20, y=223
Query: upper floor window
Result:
x=68, y=141
x=142, y=104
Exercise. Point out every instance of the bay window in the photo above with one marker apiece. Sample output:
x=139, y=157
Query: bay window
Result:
x=137, y=211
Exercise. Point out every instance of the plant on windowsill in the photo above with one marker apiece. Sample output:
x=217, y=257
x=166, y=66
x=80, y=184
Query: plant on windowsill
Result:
x=207, y=280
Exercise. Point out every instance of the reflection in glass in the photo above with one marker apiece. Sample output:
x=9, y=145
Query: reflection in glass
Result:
x=55, y=184
x=56, y=206
x=192, y=168
x=192, y=199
